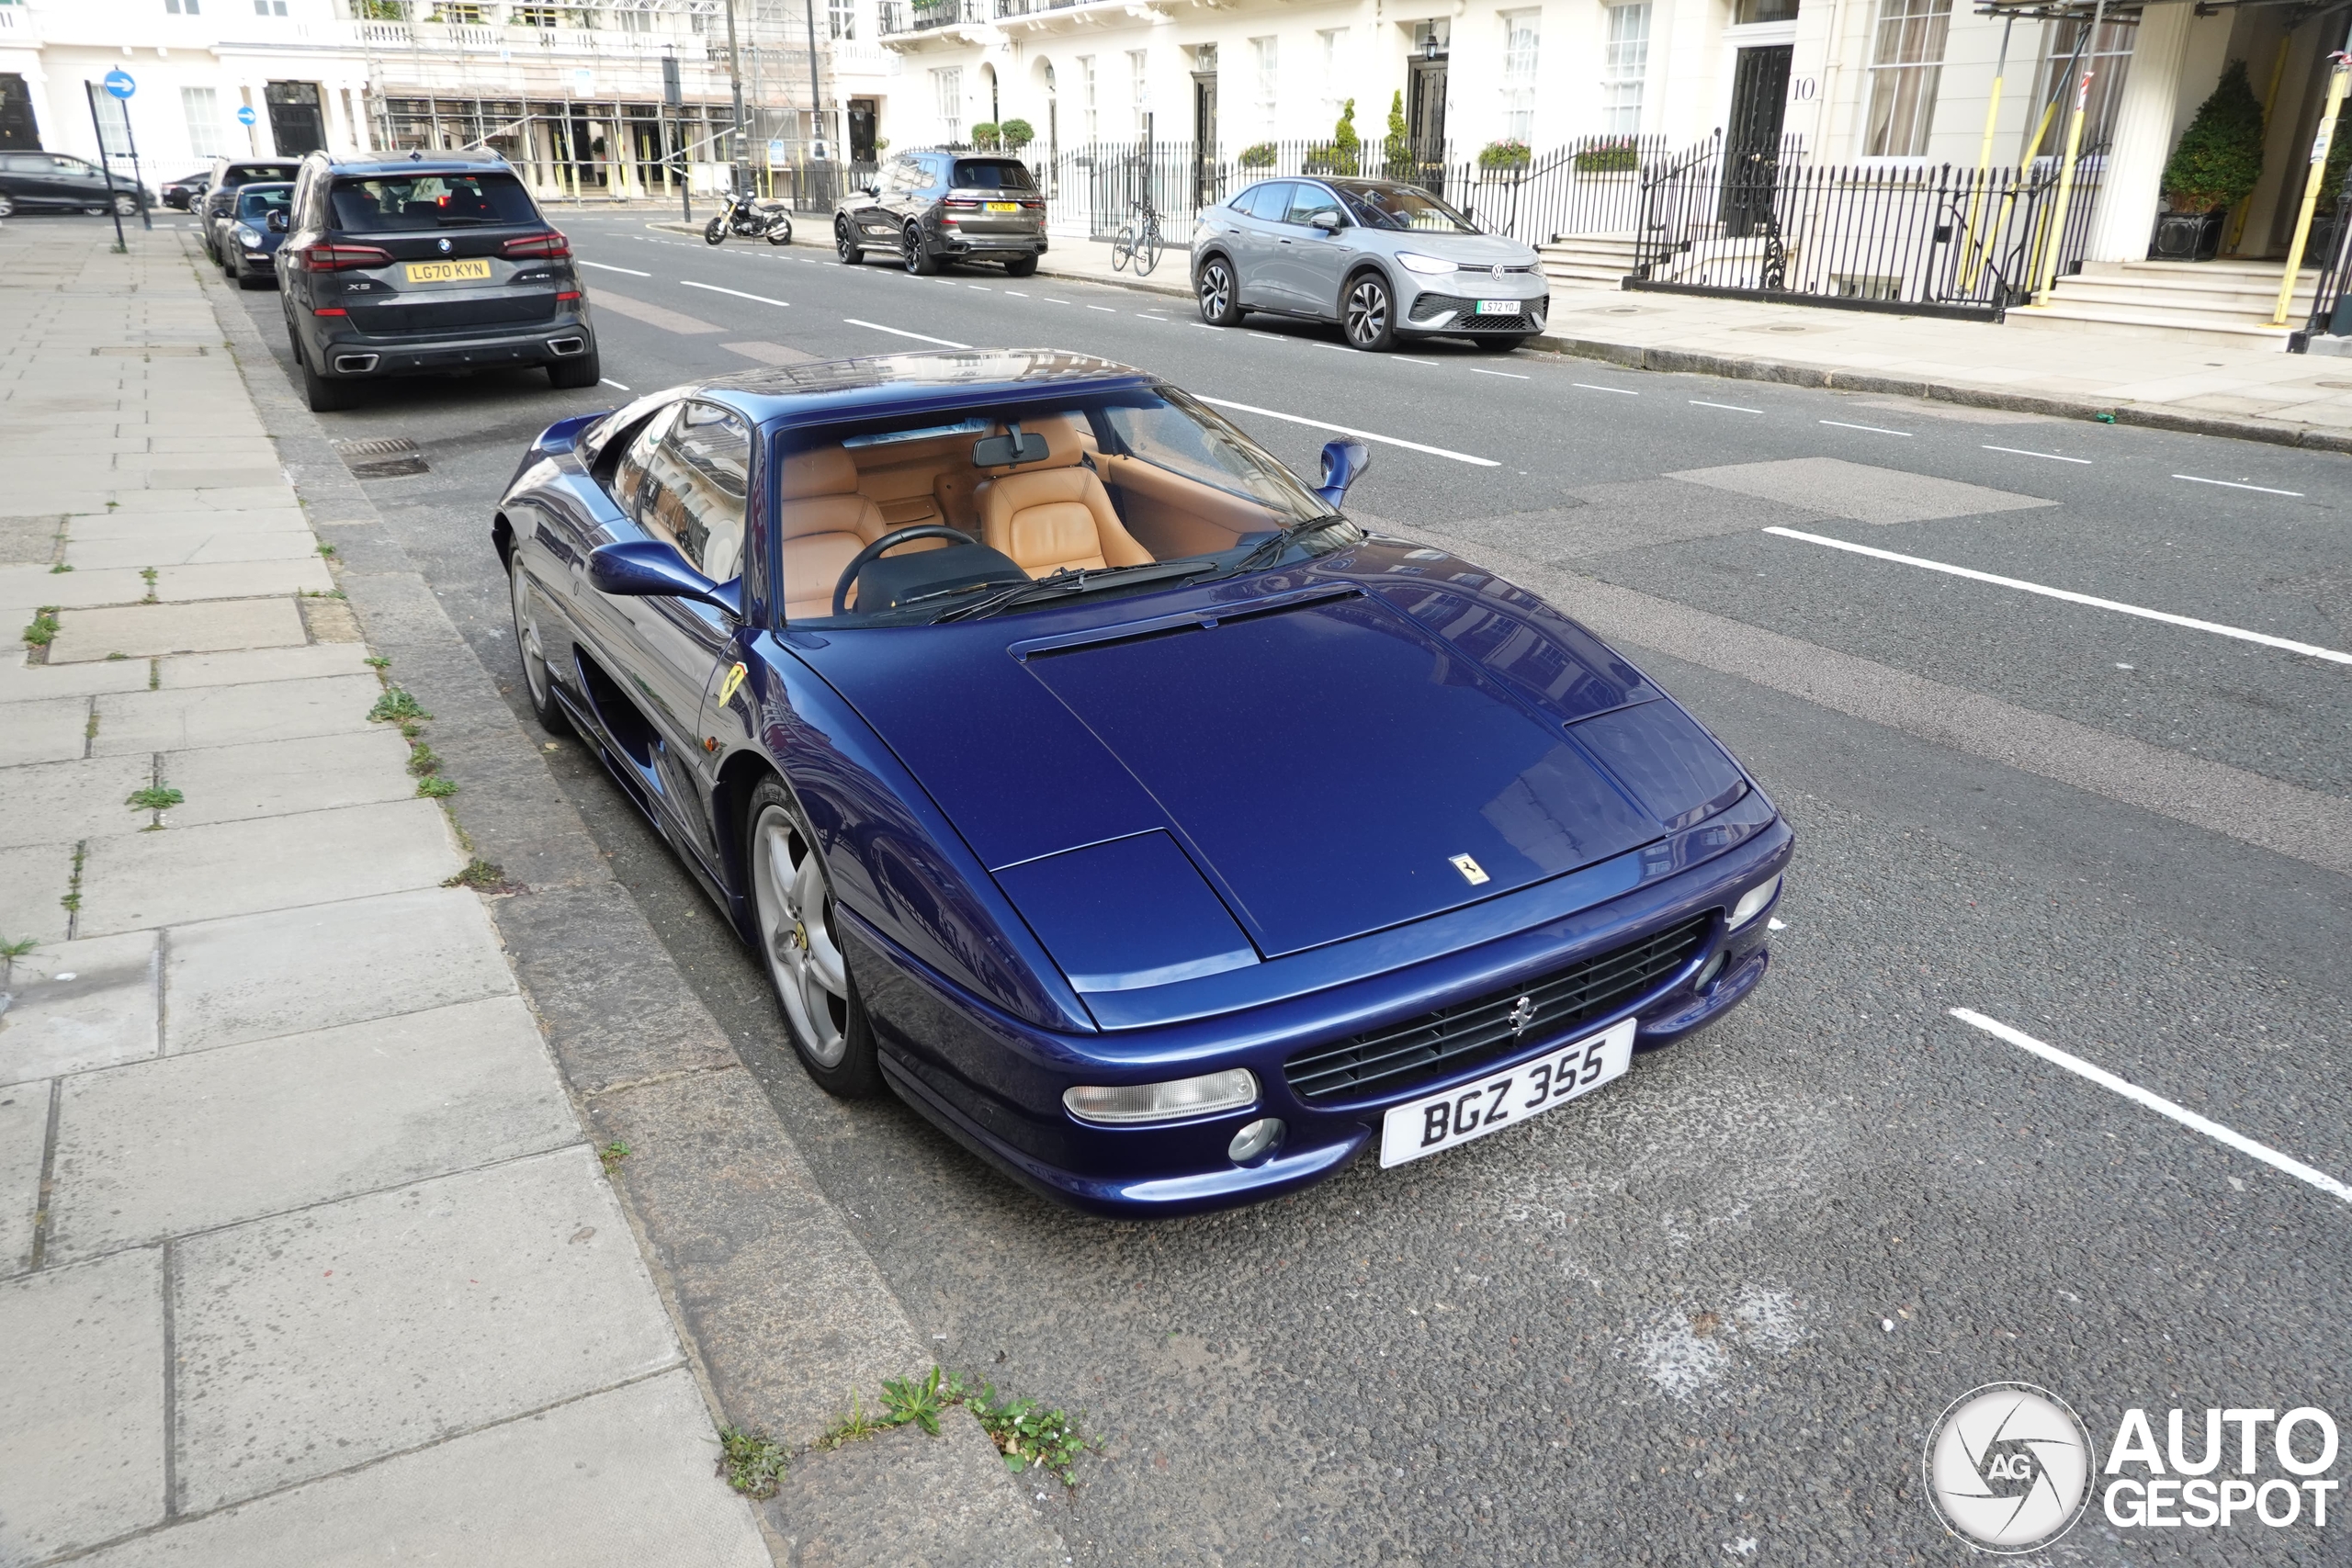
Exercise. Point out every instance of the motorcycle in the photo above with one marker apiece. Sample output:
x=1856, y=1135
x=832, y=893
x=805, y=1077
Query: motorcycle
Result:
x=752, y=219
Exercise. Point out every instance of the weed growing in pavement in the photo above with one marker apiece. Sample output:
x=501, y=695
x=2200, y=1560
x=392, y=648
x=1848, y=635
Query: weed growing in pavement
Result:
x=156, y=797
x=19, y=948
x=752, y=1461
x=60, y=569
x=90, y=730
x=480, y=874
x=437, y=788
x=421, y=759
x=377, y=661
x=72, y=902
x=149, y=573
x=612, y=1154
x=327, y=550
x=397, y=706
x=154, y=673
x=1029, y=1436
x=43, y=631
x=115, y=655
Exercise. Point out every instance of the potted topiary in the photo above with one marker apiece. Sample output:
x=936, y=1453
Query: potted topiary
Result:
x=984, y=135
x=1344, y=152
x=1016, y=134
x=2213, y=168
x=1397, y=150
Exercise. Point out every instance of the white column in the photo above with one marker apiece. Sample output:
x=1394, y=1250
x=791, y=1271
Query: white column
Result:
x=2128, y=189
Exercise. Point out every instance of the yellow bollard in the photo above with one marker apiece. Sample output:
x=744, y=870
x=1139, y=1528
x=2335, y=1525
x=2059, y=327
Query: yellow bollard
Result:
x=2336, y=81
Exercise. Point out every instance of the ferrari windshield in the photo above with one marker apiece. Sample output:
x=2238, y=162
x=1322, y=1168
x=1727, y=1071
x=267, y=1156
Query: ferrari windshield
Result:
x=1094, y=495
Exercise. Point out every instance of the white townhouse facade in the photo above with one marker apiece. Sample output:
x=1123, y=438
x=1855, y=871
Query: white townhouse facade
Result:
x=578, y=96
x=1887, y=83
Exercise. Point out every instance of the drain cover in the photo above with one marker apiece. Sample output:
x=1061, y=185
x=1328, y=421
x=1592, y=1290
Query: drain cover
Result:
x=382, y=457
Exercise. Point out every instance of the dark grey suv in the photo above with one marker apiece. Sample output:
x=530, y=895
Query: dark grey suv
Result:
x=936, y=207
x=426, y=264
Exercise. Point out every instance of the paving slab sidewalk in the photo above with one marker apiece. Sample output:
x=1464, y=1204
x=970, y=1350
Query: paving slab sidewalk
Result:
x=2258, y=394
x=307, y=1254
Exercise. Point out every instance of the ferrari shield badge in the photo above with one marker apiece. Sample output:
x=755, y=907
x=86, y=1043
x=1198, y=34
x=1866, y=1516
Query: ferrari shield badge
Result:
x=727, y=688
x=1472, y=872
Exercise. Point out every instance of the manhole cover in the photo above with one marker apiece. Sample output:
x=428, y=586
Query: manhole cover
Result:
x=382, y=457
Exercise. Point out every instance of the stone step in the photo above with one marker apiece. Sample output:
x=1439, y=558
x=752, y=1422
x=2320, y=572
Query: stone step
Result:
x=2062, y=315
x=2249, y=304
x=2233, y=270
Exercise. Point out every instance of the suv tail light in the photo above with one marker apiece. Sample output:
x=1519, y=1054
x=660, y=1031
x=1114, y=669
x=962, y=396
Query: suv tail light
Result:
x=550, y=246
x=962, y=204
x=319, y=256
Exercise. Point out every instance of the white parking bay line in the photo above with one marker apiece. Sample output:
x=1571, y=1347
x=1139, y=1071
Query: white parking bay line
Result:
x=1016, y=293
x=2022, y=452
x=713, y=288
x=1620, y=391
x=1477, y=370
x=1728, y=408
x=2157, y=1103
x=2265, y=638
x=603, y=267
x=1051, y=300
x=1873, y=429
x=608, y=381
x=1106, y=310
x=1359, y=435
x=1409, y=359
x=902, y=332
x=2233, y=484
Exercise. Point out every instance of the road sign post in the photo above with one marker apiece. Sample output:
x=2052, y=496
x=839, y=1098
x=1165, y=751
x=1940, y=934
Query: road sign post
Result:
x=99, y=124
x=121, y=85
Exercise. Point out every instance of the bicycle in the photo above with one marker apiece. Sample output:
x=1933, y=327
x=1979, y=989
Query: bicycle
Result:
x=1138, y=241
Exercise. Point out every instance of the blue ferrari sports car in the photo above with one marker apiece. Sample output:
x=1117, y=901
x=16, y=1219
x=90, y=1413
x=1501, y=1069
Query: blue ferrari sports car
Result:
x=1091, y=781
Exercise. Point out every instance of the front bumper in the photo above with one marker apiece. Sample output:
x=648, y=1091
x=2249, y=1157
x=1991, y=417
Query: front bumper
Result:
x=995, y=1084
x=1448, y=305
x=566, y=336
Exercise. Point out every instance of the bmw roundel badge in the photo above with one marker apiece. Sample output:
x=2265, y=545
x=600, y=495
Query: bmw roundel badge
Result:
x=445, y=247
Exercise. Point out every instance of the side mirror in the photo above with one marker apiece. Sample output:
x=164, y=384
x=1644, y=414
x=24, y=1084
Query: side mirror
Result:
x=1326, y=221
x=276, y=223
x=648, y=569
x=871, y=190
x=1343, y=464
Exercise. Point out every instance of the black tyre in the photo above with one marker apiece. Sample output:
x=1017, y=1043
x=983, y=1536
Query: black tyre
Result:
x=1368, y=313
x=1220, y=298
x=581, y=370
x=919, y=260
x=1025, y=266
x=845, y=243
x=792, y=899
x=1501, y=343
x=323, y=395
x=537, y=686
x=714, y=231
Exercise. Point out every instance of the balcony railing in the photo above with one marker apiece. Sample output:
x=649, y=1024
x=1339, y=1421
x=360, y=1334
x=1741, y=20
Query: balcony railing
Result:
x=903, y=16
x=475, y=38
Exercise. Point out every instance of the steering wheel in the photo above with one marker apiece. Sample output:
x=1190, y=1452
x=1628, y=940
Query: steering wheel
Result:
x=887, y=542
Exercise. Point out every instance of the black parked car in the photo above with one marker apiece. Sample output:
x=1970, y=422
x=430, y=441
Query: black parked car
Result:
x=216, y=210
x=58, y=182
x=184, y=192
x=249, y=250
x=428, y=263
x=935, y=207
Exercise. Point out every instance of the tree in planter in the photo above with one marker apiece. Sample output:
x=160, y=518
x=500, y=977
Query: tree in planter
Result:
x=1397, y=148
x=1016, y=134
x=1343, y=154
x=985, y=133
x=2220, y=155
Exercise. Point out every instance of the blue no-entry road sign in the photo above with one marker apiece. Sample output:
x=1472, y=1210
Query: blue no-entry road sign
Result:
x=245, y=116
x=120, y=85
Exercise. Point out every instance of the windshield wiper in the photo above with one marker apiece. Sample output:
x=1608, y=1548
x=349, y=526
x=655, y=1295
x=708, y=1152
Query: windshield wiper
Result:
x=1267, y=551
x=1069, y=581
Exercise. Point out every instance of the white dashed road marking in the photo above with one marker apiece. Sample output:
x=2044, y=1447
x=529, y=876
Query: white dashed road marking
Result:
x=602, y=266
x=608, y=381
x=2022, y=452
x=713, y=288
x=2157, y=1103
x=1873, y=429
x=1620, y=391
x=2240, y=633
x=1359, y=435
x=902, y=332
x=2233, y=484
x=1728, y=408
x=1480, y=370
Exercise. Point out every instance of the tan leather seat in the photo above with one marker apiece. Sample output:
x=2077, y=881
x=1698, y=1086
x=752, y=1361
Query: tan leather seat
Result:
x=1055, y=515
x=823, y=522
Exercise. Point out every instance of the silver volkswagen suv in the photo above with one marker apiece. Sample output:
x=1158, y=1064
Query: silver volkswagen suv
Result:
x=1385, y=260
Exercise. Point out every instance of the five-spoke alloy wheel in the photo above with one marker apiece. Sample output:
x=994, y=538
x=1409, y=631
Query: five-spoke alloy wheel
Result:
x=798, y=939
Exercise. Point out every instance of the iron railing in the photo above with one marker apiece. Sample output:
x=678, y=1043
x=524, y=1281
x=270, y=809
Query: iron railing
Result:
x=1933, y=240
x=905, y=17
x=2331, y=243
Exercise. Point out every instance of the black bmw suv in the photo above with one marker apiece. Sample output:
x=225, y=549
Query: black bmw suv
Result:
x=946, y=206
x=433, y=261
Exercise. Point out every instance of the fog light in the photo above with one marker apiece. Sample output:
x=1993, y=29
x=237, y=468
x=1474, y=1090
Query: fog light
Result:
x=1708, y=971
x=1259, y=1137
x=1752, y=902
x=1229, y=1090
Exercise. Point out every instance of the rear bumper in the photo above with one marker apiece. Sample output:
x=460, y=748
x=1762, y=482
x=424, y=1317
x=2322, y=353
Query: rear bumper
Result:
x=565, y=337
x=954, y=244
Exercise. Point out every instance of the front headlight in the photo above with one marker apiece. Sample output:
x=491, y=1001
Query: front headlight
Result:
x=1754, y=902
x=1203, y=1096
x=249, y=238
x=1428, y=266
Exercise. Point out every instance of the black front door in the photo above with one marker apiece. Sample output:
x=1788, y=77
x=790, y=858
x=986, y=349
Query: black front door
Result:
x=1760, y=99
x=1425, y=116
x=861, y=131
x=18, y=130
x=1205, y=187
x=295, y=121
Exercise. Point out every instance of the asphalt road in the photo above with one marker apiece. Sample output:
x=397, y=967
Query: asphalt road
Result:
x=1710, y=1314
